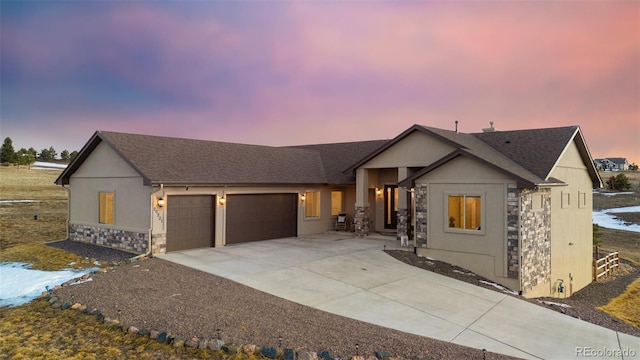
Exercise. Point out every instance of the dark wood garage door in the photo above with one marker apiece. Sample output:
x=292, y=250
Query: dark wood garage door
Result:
x=253, y=217
x=190, y=220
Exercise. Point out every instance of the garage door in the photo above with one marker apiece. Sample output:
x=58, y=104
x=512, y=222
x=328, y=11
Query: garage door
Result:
x=253, y=217
x=189, y=222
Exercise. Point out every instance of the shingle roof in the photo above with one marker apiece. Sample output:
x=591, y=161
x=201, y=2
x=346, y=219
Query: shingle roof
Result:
x=528, y=155
x=168, y=160
x=338, y=157
x=537, y=150
x=618, y=160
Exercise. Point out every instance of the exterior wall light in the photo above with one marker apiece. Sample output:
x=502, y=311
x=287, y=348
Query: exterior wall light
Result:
x=222, y=200
x=303, y=197
x=160, y=202
x=378, y=191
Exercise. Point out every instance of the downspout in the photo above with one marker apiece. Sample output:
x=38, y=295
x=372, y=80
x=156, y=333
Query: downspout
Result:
x=68, y=210
x=148, y=253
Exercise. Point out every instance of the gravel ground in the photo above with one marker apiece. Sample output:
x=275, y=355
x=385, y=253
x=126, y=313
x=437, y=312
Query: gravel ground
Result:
x=154, y=294
x=583, y=303
x=101, y=253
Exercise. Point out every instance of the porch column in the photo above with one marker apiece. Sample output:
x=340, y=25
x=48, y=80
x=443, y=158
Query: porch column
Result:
x=403, y=206
x=361, y=217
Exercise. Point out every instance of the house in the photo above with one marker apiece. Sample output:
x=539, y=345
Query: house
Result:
x=612, y=164
x=158, y=194
x=512, y=206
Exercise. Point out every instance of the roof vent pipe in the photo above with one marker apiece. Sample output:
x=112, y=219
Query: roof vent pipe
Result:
x=489, y=129
x=456, y=126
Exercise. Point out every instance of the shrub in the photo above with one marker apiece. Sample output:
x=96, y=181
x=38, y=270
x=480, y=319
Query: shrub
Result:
x=618, y=182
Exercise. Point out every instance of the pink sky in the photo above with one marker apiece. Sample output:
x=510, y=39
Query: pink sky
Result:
x=283, y=73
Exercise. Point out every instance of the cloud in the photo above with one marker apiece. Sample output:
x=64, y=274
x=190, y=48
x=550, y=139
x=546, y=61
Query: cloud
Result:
x=296, y=72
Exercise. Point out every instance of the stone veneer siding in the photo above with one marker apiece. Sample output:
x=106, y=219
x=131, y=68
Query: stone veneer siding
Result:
x=403, y=223
x=159, y=243
x=420, y=196
x=361, y=220
x=115, y=238
x=513, y=233
x=535, y=235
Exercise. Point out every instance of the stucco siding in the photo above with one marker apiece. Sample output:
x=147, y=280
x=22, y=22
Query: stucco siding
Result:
x=483, y=251
x=417, y=149
x=571, y=223
x=105, y=171
x=305, y=225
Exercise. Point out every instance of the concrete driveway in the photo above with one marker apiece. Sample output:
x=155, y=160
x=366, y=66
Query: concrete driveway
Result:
x=354, y=278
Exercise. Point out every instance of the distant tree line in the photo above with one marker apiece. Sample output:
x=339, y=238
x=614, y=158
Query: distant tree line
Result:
x=29, y=156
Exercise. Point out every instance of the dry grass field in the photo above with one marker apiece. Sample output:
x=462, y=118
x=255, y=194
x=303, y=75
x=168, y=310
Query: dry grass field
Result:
x=627, y=242
x=36, y=330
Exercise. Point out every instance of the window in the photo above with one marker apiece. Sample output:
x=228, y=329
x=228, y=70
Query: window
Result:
x=106, y=208
x=336, y=203
x=312, y=208
x=465, y=212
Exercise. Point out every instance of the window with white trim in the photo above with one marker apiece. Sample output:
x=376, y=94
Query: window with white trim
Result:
x=464, y=212
x=312, y=206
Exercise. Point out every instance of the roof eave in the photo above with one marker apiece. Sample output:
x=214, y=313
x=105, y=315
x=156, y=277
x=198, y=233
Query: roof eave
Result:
x=410, y=181
x=585, y=154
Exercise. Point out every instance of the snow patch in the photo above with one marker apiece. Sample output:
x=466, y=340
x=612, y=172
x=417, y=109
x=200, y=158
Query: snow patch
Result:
x=20, y=284
x=552, y=303
x=43, y=165
x=463, y=273
x=605, y=219
x=615, y=193
x=500, y=287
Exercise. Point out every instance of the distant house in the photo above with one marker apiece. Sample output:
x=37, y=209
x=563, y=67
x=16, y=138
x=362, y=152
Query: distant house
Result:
x=512, y=206
x=612, y=164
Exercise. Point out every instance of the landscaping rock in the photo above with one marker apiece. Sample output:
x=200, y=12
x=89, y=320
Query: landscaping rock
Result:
x=358, y=357
x=193, y=342
x=382, y=354
x=133, y=330
x=144, y=332
x=66, y=306
x=269, y=352
x=203, y=344
x=76, y=306
x=164, y=338
x=249, y=349
x=371, y=357
x=178, y=342
x=307, y=355
x=154, y=334
x=230, y=348
x=326, y=355
x=216, y=345
x=289, y=354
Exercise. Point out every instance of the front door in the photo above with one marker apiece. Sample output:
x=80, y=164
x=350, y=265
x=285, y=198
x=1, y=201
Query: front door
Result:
x=390, y=206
